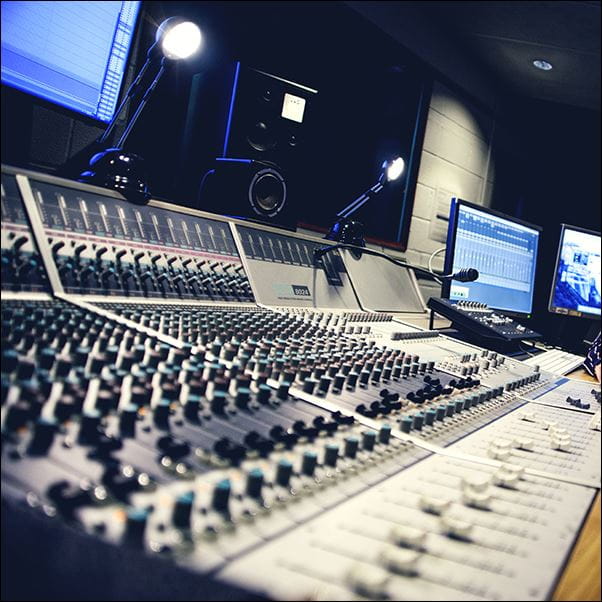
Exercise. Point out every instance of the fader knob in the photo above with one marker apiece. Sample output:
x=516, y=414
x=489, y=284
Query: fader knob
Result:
x=399, y=561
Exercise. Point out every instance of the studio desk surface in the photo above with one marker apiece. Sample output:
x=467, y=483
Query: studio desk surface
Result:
x=581, y=577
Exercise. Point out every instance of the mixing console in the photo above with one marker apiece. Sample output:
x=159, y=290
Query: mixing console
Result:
x=301, y=448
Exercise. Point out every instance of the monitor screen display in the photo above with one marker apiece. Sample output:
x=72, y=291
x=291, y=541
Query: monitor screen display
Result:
x=576, y=287
x=501, y=248
x=73, y=54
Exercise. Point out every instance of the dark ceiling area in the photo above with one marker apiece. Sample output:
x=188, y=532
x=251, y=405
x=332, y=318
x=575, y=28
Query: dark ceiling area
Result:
x=504, y=38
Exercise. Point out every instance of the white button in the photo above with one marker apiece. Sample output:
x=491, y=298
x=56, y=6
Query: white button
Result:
x=455, y=526
x=402, y=562
x=558, y=431
x=524, y=443
x=368, y=581
x=560, y=444
x=476, y=499
x=477, y=483
x=513, y=468
x=505, y=479
x=498, y=453
x=530, y=416
x=433, y=505
x=410, y=537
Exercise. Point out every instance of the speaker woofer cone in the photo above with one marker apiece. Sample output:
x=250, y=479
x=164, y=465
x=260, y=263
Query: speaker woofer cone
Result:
x=267, y=192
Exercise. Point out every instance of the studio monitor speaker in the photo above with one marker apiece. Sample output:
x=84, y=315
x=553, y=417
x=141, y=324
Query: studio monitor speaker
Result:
x=264, y=140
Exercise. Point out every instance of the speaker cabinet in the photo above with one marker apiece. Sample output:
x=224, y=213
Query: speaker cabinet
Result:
x=260, y=144
x=266, y=118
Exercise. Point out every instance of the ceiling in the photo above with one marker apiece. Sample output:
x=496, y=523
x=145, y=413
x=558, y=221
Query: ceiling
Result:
x=503, y=38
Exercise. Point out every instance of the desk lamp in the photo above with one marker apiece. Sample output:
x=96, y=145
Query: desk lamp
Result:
x=348, y=231
x=113, y=167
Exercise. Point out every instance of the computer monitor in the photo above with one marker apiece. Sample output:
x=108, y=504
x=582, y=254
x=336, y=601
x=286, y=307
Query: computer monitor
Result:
x=73, y=54
x=576, y=285
x=504, y=251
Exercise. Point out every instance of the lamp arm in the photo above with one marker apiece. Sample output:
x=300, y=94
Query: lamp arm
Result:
x=142, y=104
x=361, y=200
x=130, y=92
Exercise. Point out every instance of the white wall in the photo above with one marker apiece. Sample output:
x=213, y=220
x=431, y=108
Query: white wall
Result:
x=455, y=161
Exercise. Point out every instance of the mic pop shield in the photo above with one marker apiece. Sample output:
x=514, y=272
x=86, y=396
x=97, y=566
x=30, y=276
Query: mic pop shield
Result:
x=466, y=275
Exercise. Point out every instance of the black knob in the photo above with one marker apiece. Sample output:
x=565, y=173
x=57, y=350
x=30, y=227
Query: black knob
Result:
x=309, y=462
x=254, y=482
x=351, y=446
x=43, y=436
x=384, y=434
x=10, y=361
x=89, y=429
x=221, y=495
x=368, y=440
x=182, y=510
x=284, y=472
x=331, y=454
x=135, y=527
x=173, y=448
x=127, y=420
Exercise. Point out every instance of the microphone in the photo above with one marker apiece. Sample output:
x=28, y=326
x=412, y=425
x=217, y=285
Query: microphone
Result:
x=462, y=275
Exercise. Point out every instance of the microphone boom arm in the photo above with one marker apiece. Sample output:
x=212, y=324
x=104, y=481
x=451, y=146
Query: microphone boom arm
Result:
x=464, y=275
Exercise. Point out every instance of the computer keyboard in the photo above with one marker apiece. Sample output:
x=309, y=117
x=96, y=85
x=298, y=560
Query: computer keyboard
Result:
x=556, y=361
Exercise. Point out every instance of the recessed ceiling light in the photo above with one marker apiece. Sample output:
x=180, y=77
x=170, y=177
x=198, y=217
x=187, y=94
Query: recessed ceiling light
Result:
x=543, y=65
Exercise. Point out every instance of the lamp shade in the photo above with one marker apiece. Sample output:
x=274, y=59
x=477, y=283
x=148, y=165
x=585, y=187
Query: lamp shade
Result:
x=178, y=38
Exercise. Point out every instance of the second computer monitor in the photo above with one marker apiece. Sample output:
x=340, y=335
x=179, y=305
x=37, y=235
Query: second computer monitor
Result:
x=504, y=251
x=576, y=287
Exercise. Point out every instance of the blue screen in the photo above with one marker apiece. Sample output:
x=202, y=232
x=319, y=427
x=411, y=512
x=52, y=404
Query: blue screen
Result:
x=505, y=254
x=577, y=279
x=71, y=53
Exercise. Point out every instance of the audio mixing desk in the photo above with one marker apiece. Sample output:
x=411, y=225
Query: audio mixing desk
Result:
x=192, y=398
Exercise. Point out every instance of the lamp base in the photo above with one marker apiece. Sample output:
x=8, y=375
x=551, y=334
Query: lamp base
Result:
x=347, y=231
x=121, y=171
